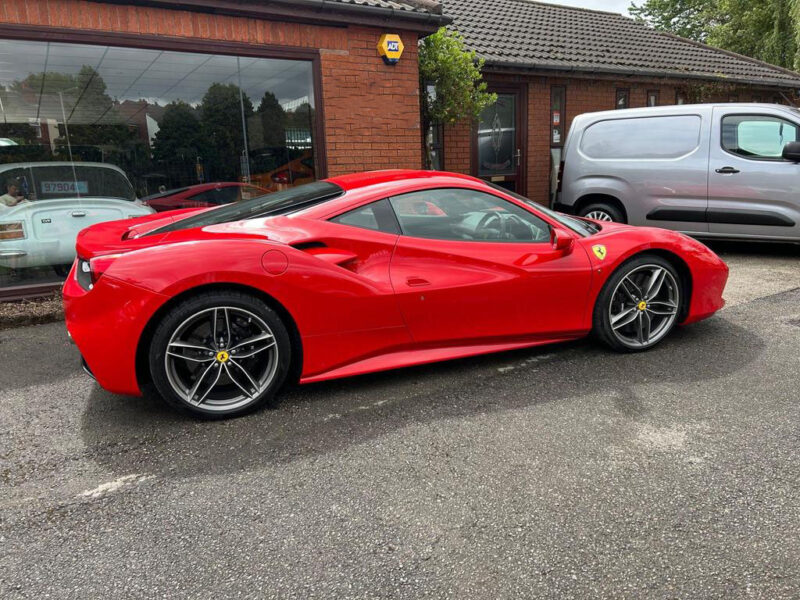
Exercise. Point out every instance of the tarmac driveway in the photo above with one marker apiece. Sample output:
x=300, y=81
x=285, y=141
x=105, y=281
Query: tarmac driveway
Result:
x=563, y=471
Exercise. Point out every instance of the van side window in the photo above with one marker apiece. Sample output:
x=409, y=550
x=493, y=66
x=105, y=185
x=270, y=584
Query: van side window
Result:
x=642, y=138
x=757, y=136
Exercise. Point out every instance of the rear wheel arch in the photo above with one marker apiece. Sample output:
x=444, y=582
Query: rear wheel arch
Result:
x=142, y=348
x=607, y=199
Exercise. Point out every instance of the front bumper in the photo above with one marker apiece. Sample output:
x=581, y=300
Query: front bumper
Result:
x=106, y=324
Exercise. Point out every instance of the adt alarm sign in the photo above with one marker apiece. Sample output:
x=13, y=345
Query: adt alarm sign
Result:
x=390, y=48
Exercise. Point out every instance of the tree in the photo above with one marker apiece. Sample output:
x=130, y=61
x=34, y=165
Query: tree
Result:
x=686, y=18
x=179, y=135
x=273, y=121
x=454, y=73
x=221, y=120
x=762, y=29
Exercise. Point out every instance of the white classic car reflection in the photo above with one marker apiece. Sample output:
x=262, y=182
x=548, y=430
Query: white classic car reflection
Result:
x=55, y=200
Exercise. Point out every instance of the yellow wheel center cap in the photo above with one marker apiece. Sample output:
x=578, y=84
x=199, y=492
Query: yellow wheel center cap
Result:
x=642, y=305
x=223, y=356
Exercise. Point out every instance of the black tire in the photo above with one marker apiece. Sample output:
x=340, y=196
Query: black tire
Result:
x=608, y=302
x=196, y=314
x=603, y=208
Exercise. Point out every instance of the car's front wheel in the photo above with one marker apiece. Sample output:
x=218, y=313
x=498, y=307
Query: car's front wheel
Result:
x=219, y=354
x=639, y=304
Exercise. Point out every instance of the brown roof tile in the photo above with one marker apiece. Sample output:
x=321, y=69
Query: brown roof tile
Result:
x=537, y=35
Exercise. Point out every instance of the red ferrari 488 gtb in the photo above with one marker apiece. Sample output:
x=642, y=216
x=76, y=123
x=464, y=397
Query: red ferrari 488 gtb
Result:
x=216, y=308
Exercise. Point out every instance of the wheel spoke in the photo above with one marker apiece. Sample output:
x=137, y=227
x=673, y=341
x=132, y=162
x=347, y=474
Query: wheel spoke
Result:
x=211, y=387
x=252, y=353
x=644, y=327
x=190, y=346
x=227, y=327
x=189, y=358
x=655, y=283
x=636, y=294
x=236, y=383
x=254, y=340
x=214, y=327
x=668, y=309
x=626, y=317
x=199, y=381
x=246, y=374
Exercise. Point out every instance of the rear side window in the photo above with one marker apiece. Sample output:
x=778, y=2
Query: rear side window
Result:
x=757, y=136
x=644, y=137
x=377, y=216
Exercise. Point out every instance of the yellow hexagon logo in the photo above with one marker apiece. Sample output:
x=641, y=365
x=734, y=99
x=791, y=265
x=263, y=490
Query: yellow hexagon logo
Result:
x=390, y=48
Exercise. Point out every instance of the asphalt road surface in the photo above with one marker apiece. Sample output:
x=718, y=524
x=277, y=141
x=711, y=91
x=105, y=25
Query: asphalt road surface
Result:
x=560, y=472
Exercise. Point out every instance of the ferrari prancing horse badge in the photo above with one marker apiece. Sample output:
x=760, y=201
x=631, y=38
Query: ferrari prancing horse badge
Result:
x=599, y=251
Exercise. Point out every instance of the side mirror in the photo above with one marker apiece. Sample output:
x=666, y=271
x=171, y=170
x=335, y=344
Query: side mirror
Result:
x=791, y=152
x=561, y=242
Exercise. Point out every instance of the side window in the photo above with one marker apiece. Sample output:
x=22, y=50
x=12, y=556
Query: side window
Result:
x=466, y=215
x=376, y=216
x=220, y=195
x=642, y=138
x=757, y=136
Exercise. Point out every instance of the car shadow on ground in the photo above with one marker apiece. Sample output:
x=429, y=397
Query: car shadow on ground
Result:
x=141, y=435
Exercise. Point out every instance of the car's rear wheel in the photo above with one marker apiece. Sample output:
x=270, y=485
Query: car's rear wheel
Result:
x=601, y=211
x=219, y=354
x=639, y=304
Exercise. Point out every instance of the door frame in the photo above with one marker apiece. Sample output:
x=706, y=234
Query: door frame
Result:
x=521, y=92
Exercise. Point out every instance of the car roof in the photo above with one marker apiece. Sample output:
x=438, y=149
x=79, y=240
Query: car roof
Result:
x=370, y=178
x=671, y=109
x=26, y=165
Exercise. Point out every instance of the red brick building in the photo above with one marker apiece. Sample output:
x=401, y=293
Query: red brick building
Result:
x=367, y=111
x=549, y=63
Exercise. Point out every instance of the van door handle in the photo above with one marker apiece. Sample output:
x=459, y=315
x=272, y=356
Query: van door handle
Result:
x=417, y=281
x=727, y=170
x=78, y=213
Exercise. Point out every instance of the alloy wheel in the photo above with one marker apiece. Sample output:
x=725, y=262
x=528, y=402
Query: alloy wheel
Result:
x=599, y=215
x=644, y=306
x=221, y=358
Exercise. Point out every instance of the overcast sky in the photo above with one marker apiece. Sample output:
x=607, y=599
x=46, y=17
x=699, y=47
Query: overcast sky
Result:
x=620, y=6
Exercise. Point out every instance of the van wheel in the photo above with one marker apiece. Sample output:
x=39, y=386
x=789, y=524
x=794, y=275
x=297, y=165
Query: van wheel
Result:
x=600, y=211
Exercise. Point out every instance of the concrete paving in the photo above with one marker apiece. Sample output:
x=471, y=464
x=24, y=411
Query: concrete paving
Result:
x=559, y=472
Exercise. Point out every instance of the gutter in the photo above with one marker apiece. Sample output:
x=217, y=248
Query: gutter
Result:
x=527, y=68
x=313, y=11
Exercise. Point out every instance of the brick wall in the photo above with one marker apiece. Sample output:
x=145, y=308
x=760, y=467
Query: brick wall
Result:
x=372, y=117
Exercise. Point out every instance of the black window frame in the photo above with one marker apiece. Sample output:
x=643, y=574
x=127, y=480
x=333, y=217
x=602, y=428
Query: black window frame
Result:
x=385, y=217
x=624, y=93
x=753, y=158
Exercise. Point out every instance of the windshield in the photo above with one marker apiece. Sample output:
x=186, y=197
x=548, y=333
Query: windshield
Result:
x=580, y=226
x=276, y=203
x=62, y=181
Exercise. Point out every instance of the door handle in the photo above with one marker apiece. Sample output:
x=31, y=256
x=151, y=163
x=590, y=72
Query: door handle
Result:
x=727, y=170
x=417, y=281
x=518, y=156
x=78, y=213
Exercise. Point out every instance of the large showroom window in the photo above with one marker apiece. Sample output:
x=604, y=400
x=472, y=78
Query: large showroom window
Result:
x=94, y=133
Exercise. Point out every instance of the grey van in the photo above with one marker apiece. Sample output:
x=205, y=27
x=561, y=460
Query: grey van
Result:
x=709, y=170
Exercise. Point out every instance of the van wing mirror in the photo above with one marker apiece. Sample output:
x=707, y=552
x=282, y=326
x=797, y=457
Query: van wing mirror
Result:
x=791, y=152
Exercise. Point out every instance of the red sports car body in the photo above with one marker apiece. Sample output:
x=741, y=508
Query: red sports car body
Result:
x=363, y=274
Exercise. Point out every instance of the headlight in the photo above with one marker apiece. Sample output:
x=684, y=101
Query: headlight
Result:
x=12, y=231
